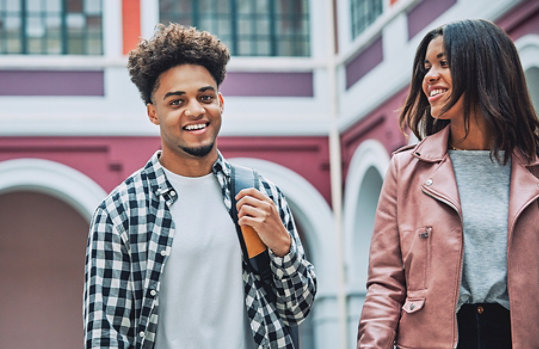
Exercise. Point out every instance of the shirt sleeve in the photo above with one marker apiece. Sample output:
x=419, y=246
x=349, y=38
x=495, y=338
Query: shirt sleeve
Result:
x=293, y=276
x=107, y=314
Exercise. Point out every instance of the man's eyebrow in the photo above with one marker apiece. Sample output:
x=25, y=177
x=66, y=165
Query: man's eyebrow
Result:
x=206, y=88
x=173, y=93
x=180, y=93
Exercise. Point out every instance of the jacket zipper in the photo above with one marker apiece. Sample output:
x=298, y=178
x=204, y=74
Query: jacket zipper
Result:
x=448, y=203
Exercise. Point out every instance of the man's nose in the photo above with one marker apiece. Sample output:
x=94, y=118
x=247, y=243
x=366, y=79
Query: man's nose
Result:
x=195, y=109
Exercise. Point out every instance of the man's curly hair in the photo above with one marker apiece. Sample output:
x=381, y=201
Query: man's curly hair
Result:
x=173, y=45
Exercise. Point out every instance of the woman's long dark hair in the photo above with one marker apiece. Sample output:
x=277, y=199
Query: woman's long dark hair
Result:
x=486, y=71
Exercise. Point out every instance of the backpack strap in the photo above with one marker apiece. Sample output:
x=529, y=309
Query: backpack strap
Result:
x=254, y=251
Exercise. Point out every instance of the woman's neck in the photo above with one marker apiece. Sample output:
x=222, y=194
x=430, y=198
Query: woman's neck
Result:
x=477, y=138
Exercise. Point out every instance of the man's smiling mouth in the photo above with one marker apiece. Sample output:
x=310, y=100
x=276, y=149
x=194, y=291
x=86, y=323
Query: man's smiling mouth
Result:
x=195, y=127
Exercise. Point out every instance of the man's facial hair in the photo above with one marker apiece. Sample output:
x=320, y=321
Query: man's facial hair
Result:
x=198, y=152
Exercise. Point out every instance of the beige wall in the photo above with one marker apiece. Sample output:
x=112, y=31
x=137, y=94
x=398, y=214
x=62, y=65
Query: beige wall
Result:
x=42, y=245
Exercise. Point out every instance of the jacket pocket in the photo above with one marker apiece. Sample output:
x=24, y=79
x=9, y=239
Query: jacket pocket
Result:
x=413, y=305
x=417, y=259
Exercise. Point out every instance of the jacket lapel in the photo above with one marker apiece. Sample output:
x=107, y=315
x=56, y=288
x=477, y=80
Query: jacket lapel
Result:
x=524, y=188
x=440, y=183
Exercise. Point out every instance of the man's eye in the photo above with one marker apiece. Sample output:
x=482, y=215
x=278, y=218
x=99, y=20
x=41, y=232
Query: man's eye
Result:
x=206, y=98
x=176, y=102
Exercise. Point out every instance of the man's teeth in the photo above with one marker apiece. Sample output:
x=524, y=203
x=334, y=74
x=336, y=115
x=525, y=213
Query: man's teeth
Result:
x=436, y=92
x=195, y=127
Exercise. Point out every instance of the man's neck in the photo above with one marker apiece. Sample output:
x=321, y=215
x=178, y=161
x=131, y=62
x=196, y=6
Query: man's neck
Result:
x=193, y=166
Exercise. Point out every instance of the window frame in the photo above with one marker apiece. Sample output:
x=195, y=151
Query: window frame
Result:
x=24, y=14
x=299, y=42
x=357, y=26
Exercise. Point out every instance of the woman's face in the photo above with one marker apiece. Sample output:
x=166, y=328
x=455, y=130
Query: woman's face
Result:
x=437, y=84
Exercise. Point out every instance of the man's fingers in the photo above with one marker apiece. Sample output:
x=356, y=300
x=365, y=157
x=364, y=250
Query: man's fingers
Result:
x=251, y=211
x=252, y=192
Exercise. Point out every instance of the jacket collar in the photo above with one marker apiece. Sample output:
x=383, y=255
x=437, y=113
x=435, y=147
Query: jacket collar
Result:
x=521, y=160
x=434, y=147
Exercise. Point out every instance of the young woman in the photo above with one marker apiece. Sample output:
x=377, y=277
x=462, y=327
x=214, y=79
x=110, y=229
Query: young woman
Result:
x=454, y=259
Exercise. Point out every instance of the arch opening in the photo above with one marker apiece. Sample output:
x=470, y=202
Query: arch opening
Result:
x=42, y=247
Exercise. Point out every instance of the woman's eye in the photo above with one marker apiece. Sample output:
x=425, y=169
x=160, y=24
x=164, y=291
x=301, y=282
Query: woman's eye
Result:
x=206, y=98
x=444, y=63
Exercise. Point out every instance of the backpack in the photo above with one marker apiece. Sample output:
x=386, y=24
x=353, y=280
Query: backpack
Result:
x=254, y=250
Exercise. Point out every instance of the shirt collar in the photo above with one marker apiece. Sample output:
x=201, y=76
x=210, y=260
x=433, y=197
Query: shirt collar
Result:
x=158, y=181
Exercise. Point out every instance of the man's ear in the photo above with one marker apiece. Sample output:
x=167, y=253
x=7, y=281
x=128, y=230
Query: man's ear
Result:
x=221, y=101
x=152, y=113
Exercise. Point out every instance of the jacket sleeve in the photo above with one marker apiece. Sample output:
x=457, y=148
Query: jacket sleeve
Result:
x=386, y=287
x=107, y=315
x=293, y=276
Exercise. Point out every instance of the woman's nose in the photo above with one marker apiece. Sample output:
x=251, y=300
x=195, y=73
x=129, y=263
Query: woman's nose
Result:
x=432, y=74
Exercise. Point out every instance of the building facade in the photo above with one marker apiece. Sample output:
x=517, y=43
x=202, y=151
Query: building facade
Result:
x=311, y=100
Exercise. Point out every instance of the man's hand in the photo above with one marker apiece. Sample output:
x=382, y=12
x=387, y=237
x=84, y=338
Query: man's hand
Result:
x=260, y=213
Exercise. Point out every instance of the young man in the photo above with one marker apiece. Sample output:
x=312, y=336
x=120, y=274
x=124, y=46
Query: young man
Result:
x=164, y=266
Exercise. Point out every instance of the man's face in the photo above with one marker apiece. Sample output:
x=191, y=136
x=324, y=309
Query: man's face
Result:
x=187, y=107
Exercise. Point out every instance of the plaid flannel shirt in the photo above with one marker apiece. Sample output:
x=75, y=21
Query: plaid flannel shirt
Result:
x=129, y=240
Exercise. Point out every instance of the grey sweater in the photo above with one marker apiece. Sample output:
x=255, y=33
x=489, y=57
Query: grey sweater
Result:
x=483, y=186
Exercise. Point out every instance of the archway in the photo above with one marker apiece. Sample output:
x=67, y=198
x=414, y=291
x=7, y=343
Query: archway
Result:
x=52, y=178
x=532, y=79
x=42, y=246
x=363, y=184
x=528, y=50
x=45, y=208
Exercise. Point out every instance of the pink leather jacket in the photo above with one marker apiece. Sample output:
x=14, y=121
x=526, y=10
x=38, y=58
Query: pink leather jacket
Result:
x=416, y=253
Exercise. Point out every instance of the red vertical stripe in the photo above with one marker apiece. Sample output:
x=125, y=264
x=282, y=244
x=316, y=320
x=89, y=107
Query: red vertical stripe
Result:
x=130, y=24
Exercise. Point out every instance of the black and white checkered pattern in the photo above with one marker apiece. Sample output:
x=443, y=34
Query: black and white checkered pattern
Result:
x=130, y=238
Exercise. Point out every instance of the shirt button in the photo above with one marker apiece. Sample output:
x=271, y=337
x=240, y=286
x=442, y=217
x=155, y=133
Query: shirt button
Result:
x=163, y=253
x=153, y=293
x=172, y=193
x=141, y=333
x=412, y=306
x=480, y=309
x=428, y=182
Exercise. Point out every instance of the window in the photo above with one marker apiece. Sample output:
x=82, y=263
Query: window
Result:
x=247, y=27
x=364, y=13
x=51, y=27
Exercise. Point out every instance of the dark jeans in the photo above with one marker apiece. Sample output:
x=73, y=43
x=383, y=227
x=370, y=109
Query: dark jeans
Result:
x=484, y=326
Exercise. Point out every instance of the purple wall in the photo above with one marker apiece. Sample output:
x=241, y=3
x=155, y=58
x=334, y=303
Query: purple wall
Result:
x=109, y=160
x=523, y=19
x=51, y=83
x=364, y=62
x=381, y=124
x=91, y=83
x=268, y=84
x=424, y=13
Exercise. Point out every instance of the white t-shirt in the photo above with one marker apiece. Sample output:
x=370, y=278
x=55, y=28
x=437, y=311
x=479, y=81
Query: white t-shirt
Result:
x=201, y=297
